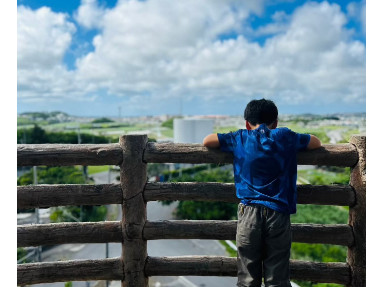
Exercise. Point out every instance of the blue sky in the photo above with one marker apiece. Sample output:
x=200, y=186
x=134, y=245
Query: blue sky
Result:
x=153, y=57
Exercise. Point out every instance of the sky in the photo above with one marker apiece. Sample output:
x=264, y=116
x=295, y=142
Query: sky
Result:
x=190, y=57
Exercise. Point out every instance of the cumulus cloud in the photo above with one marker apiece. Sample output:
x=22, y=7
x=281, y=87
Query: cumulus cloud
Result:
x=43, y=37
x=89, y=14
x=163, y=49
x=143, y=45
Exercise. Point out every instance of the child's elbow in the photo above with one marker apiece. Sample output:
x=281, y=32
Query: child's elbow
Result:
x=314, y=143
x=211, y=141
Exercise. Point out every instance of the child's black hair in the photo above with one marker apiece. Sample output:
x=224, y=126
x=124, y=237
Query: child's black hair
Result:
x=261, y=111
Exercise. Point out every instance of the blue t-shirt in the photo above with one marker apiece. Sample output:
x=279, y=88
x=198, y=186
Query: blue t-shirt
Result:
x=265, y=165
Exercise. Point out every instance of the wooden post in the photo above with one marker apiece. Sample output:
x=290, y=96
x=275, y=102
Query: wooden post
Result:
x=356, y=256
x=133, y=179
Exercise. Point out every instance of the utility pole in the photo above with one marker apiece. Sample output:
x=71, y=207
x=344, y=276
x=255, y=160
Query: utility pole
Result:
x=181, y=106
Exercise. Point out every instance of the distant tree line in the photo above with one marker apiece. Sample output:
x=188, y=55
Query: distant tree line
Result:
x=37, y=135
x=102, y=120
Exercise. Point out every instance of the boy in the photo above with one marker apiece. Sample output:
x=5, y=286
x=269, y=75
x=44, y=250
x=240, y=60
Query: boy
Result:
x=265, y=174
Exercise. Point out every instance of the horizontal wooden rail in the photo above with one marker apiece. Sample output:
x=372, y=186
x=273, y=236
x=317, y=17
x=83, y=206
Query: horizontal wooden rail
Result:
x=74, y=270
x=329, y=154
x=61, y=233
x=102, y=154
x=43, y=196
x=227, y=266
x=31, y=196
x=342, y=195
x=68, y=154
x=101, y=232
x=111, y=269
x=338, y=234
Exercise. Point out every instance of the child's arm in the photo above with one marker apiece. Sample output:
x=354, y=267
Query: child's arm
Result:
x=314, y=142
x=211, y=141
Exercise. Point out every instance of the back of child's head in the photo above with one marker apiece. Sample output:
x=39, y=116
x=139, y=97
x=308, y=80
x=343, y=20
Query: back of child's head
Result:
x=261, y=112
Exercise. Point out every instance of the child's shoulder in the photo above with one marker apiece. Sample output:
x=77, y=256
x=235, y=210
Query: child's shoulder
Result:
x=282, y=132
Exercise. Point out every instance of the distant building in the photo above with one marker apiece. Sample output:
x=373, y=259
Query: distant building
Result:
x=192, y=130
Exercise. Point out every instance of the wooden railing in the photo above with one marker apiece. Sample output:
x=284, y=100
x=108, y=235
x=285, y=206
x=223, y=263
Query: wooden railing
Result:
x=135, y=266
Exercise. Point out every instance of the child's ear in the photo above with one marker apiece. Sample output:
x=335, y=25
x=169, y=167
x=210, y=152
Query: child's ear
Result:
x=248, y=125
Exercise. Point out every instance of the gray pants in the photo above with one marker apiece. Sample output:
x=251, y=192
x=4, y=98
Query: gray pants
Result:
x=263, y=242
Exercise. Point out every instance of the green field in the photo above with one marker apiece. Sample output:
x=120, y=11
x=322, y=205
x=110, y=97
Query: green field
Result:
x=164, y=130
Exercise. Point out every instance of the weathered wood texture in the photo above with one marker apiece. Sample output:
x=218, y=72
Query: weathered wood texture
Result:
x=227, y=266
x=111, y=269
x=101, y=154
x=335, y=155
x=342, y=195
x=42, y=196
x=356, y=256
x=133, y=179
x=339, y=234
x=74, y=270
x=329, y=154
x=68, y=154
x=100, y=232
x=62, y=233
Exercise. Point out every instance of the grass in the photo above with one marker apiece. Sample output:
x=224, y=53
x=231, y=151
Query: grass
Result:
x=225, y=129
x=97, y=169
x=168, y=133
x=229, y=250
x=347, y=135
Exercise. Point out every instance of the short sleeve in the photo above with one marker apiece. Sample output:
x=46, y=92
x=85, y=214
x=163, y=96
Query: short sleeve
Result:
x=301, y=141
x=226, y=142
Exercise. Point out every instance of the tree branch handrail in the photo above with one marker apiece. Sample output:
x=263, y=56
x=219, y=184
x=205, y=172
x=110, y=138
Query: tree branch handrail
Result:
x=333, y=272
x=110, y=231
x=111, y=269
x=101, y=154
x=68, y=232
x=329, y=154
x=51, y=195
x=335, y=194
x=68, y=154
x=70, y=270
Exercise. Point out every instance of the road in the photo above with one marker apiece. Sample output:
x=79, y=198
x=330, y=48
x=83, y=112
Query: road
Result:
x=155, y=211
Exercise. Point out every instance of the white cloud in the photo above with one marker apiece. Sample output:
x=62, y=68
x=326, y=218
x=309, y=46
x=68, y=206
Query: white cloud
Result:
x=163, y=49
x=148, y=46
x=89, y=14
x=144, y=45
x=43, y=37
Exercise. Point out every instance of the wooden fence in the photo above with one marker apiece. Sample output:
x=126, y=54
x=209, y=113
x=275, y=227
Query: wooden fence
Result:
x=135, y=266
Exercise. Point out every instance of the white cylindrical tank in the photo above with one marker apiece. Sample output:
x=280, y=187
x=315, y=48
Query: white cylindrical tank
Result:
x=192, y=130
